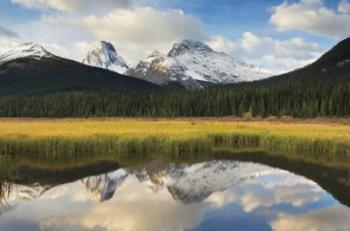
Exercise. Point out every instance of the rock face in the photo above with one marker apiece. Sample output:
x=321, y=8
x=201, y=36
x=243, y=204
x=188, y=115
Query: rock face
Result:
x=26, y=50
x=104, y=55
x=194, y=65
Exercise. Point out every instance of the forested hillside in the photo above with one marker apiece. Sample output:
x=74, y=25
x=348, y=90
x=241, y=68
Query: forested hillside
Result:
x=320, y=89
x=305, y=102
x=32, y=76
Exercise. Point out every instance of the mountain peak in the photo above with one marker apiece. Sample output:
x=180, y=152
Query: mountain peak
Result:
x=28, y=49
x=155, y=54
x=103, y=45
x=188, y=45
x=104, y=55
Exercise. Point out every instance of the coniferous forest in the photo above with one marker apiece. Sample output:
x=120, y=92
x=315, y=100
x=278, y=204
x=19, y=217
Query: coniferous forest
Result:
x=304, y=102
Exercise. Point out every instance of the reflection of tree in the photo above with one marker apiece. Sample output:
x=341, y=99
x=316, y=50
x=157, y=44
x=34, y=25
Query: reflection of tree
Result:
x=5, y=187
x=4, y=193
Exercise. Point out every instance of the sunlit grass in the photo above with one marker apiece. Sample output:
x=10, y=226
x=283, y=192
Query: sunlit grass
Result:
x=79, y=136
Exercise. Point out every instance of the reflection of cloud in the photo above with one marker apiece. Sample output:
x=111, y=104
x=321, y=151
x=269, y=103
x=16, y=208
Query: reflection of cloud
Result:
x=144, y=215
x=245, y=189
x=268, y=190
x=332, y=218
x=296, y=195
x=135, y=208
x=220, y=199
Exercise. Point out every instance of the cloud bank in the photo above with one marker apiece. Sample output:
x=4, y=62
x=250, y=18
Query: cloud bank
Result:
x=7, y=33
x=74, y=5
x=69, y=27
x=312, y=16
x=277, y=56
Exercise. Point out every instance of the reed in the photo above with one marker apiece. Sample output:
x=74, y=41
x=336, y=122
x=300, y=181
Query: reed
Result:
x=74, y=137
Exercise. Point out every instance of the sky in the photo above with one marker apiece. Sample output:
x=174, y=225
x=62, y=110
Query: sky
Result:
x=275, y=35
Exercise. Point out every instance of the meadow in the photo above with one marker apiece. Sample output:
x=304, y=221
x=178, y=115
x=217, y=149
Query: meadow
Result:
x=55, y=138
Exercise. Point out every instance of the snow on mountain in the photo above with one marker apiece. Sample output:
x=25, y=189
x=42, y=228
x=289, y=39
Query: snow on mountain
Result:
x=24, y=50
x=208, y=65
x=191, y=63
x=161, y=69
x=104, y=55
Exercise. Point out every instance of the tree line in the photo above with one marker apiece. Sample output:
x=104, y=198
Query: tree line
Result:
x=302, y=101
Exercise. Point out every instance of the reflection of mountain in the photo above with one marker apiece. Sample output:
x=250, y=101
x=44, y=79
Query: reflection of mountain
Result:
x=196, y=183
x=186, y=183
x=103, y=187
x=16, y=193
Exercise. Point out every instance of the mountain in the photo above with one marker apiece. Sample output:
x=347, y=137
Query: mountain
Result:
x=30, y=49
x=31, y=69
x=162, y=70
x=194, y=65
x=331, y=68
x=104, y=55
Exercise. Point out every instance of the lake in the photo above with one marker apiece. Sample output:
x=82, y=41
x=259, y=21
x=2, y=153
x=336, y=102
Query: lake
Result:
x=244, y=192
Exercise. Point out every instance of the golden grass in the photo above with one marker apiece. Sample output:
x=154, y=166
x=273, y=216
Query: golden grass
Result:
x=134, y=135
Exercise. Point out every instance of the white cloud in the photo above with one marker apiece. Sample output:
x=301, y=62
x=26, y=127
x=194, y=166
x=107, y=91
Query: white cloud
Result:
x=7, y=44
x=344, y=7
x=6, y=33
x=314, y=17
x=221, y=44
x=135, y=32
x=74, y=5
x=271, y=54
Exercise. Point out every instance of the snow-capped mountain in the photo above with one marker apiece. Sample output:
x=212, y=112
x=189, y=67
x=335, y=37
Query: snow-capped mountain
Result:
x=104, y=55
x=25, y=50
x=161, y=69
x=192, y=63
x=31, y=69
x=208, y=65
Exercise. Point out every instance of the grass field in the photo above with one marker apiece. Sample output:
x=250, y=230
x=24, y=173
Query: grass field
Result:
x=58, y=137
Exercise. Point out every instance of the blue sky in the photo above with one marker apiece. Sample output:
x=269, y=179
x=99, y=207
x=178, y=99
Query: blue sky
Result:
x=276, y=35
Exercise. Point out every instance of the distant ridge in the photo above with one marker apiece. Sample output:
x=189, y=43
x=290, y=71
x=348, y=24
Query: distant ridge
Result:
x=331, y=68
x=30, y=69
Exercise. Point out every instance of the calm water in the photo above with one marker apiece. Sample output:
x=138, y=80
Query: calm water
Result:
x=161, y=195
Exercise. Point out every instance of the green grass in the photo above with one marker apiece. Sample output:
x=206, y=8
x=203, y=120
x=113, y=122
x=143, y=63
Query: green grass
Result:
x=59, y=138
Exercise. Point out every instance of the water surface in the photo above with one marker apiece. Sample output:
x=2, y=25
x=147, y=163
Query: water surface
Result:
x=163, y=195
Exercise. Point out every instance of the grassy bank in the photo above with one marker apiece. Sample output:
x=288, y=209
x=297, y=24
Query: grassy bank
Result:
x=55, y=138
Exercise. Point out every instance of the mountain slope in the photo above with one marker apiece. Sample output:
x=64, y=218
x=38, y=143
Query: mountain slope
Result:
x=33, y=70
x=30, y=49
x=332, y=68
x=104, y=55
x=162, y=70
x=208, y=65
x=194, y=65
